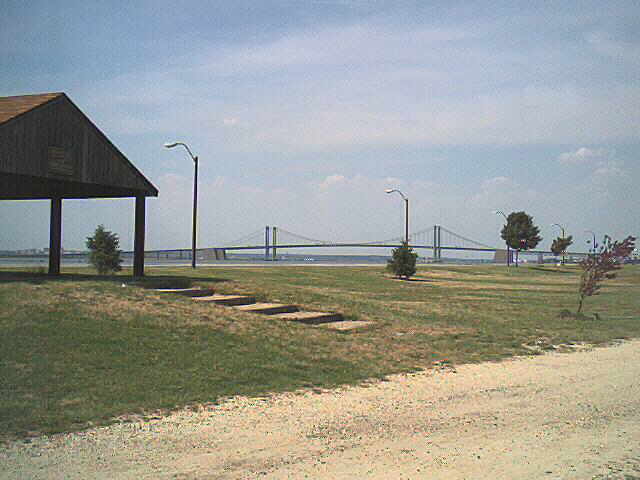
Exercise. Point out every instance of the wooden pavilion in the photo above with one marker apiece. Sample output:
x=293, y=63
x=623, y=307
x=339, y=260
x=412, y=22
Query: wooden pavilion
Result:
x=49, y=149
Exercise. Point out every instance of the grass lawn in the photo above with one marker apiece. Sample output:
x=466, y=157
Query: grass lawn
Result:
x=82, y=350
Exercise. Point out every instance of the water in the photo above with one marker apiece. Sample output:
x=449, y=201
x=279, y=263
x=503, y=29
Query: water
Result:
x=167, y=259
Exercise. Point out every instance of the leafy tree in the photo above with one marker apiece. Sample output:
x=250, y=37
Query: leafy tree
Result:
x=520, y=233
x=403, y=261
x=104, y=253
x=603, y=265
x=560, y=245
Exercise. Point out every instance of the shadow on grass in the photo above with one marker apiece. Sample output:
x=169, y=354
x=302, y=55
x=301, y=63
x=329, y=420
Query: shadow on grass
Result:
x=156, y=281
x=412, y=279
x=554, y=270
x=580, y=316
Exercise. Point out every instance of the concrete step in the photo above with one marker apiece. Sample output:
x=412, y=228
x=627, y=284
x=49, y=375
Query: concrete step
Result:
x=187, y=292
x=346, y=325
x=267, y=308
x=227, y=300
x=312, y=318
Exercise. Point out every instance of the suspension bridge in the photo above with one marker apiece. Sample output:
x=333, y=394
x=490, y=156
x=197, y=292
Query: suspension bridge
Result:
x=436, y=238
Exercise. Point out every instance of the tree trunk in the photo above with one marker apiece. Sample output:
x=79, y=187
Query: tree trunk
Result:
x=580, y=305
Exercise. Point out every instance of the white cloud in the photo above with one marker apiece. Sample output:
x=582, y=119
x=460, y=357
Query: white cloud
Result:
x=582, y=155
x=498, y=183
x=230, y=122
x=608, y=173
x=500, y=193
x=368, y=84
x=604, y=44
x=331, y=180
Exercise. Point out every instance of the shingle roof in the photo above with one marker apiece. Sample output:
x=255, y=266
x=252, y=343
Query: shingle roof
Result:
x=11, y=107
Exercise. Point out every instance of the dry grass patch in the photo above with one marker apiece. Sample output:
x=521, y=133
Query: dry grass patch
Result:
x=433, y=330
x=154, y=352
x=502, y=287
x=474, y=298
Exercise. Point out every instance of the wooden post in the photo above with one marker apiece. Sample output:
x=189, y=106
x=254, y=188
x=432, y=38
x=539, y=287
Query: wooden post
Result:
x=138, y=242
x=55, y=236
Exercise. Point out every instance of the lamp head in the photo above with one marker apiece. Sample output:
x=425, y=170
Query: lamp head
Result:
x=388, y=190
x=170, y=145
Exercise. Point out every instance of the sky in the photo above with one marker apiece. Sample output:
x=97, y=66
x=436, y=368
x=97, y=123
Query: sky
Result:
x=303, y=112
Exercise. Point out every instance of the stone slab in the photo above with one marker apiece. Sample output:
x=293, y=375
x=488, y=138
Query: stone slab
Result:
x=267, y=308
x=188, y=292
x=310, y=317
x=227, y=300
x=346, y=325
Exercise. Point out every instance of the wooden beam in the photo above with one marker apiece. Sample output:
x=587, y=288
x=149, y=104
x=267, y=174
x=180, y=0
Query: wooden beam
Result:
x=55, y=236
x=138, y=242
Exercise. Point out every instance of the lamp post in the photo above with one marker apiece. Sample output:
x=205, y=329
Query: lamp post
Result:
x=406, y=212
x=594, y=244
x=500, y=212
x=195, y=197
x=562, y=229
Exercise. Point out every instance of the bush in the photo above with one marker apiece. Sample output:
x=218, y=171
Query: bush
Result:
x=603, y=265
x=104, y=253
x=403, y=261
x=560, y=245
x=520, y=233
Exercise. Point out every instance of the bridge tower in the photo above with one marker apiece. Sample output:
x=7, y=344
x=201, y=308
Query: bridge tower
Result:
x=266, y=242
x=274, y=237
x=437, y=252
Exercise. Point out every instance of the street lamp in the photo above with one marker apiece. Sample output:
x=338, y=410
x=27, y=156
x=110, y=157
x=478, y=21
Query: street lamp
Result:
x=406, y=212
x=500, y=212
x=594, y=245
x=195, y=197
x=562, y=229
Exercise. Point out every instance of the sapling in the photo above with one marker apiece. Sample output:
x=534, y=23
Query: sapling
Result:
x=603, y=265
x=104, y=253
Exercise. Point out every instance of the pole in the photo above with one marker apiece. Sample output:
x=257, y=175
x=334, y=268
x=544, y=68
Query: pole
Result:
x=138, y=239
x=195, y=209
x=55, y=236
x=406, y=220
x=506, y=242
x=563, y=250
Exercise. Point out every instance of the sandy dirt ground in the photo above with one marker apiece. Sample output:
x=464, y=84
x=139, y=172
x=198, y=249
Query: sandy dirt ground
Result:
x=561, y=415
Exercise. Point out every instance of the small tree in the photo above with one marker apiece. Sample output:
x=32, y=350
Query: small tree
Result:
x=520, y=233
x=603, y=265
x=560, y=245
x=403, y=261
x=104, y=254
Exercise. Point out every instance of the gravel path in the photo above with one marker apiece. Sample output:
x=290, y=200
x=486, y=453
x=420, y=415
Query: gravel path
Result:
x=554, y=416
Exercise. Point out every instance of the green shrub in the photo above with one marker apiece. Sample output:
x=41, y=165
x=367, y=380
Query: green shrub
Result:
x=403, y=261
x=104, y=253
